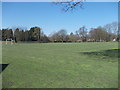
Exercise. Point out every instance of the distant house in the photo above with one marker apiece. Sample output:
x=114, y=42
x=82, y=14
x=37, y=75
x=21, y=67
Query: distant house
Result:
x=79, y=40
x=90, y=40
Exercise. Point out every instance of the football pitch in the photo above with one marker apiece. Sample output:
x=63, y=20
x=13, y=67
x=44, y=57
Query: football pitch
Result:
x=60, y=65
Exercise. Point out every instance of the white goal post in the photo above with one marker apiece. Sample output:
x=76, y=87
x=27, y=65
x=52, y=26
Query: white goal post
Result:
x=9, y=39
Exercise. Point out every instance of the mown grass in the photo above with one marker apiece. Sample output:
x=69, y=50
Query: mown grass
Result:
x=61, y=65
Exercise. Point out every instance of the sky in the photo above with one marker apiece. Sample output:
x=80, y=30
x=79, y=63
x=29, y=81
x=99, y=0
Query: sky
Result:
x=57, y=0
x=51, y=18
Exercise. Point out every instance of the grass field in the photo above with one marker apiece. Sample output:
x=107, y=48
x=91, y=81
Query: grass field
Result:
x=61, y=65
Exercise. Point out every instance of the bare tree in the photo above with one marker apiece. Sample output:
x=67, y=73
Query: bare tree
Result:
x=114, y=26
x=54, y=37
x=72, y=37
x=83, y=33
x=112, y=29
x=70, y=4
x=98, y=34
x=19, y=27
x=60, y=36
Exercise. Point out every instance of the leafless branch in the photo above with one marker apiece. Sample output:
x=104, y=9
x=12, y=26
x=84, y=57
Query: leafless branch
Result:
x=70, y=4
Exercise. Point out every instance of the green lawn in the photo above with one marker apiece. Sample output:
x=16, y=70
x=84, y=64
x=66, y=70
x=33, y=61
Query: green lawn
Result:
x=61, y=65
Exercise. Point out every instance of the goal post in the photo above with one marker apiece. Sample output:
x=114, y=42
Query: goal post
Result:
x=6, y=41
x=10, y=41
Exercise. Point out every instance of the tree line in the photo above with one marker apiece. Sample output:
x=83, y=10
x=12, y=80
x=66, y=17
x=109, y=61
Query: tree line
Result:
x=34, y=34
x=108, y=32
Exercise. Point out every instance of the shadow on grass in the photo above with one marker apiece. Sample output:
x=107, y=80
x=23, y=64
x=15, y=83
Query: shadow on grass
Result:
x=111, y=53
x=2, y=67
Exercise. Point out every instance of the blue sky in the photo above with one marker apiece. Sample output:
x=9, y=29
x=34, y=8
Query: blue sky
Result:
x=57, y=0
x=51, y=18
